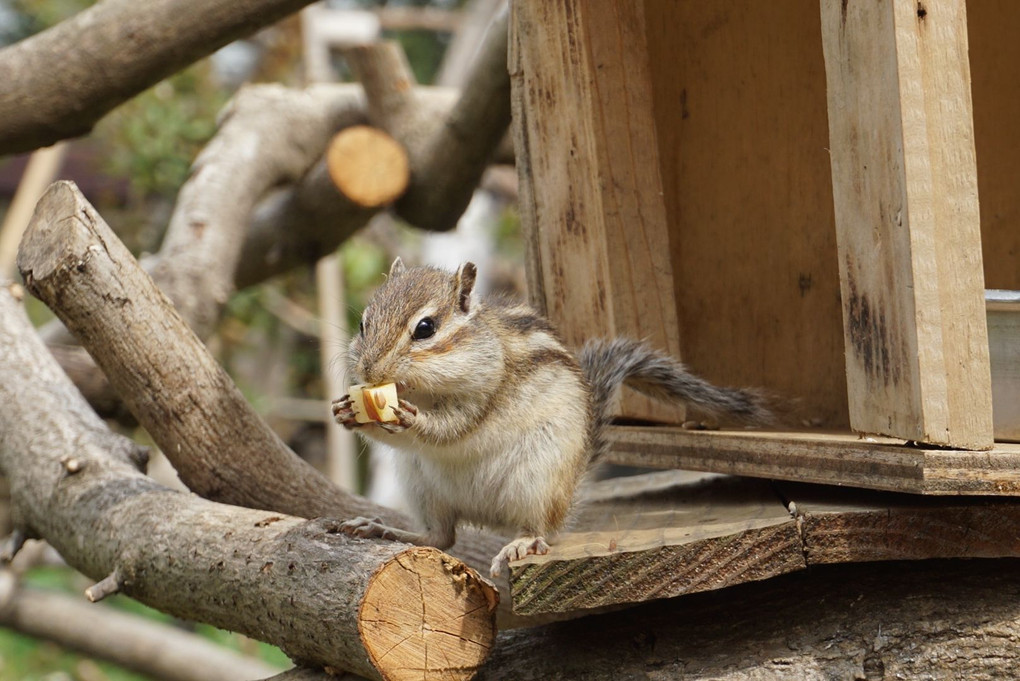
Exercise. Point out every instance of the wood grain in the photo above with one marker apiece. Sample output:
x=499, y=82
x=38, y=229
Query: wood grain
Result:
x=367, y=166
x=696, y=533
x=740, y=115
x=844, y=525
x=590, y=186
x=833, y=458
x=449, y=632
x=905, y=190
x=670, y=533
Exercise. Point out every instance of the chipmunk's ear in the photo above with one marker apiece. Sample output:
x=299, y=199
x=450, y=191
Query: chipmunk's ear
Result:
x=397, y=267
x=466, y=275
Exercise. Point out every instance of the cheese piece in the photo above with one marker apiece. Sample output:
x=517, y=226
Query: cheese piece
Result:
x=374, y=402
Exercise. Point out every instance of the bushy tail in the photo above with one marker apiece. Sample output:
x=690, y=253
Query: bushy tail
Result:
x=608, y=364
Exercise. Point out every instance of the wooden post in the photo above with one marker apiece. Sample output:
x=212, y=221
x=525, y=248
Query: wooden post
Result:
x=42, y=168
x=904, y=181
x=591, y=194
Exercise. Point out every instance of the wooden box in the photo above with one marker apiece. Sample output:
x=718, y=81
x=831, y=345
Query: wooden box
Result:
x=784, y=194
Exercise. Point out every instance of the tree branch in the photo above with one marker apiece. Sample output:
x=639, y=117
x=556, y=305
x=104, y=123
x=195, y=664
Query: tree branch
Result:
x=144, y=646
x=107, y=54
x=456, y=149
x=321, y=596
x=219, y=446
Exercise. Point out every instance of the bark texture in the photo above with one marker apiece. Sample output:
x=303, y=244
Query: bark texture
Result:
x=59, y=83
x=918, y=620
x=901, y=620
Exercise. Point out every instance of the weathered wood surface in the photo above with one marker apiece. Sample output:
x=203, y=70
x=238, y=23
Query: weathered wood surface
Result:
x=904, y=179
x=846, y=525
x=828, y=458
x=739, y=94
x=900, y=620
x=676, y=533
x=897, y=620
x=666, y=534
x=591, y=194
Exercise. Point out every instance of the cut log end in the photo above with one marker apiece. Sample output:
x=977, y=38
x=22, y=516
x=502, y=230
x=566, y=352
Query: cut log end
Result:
x=447, y=634
x=368, y=166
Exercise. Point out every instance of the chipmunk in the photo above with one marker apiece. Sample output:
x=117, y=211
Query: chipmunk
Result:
x=497, y=420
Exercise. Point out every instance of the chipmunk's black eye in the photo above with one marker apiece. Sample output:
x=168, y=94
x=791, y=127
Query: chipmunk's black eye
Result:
x=361, y=327
x=426, y=328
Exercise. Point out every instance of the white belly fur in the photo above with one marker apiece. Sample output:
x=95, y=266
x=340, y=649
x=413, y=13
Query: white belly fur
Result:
x=502, y=476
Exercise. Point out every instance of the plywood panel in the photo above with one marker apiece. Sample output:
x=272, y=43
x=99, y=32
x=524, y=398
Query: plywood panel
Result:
x=993, y=27
x=905, y=191
x=740, y=109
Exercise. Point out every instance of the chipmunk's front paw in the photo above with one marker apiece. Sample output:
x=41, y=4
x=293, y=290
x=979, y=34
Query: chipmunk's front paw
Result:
x=343, y=412
x=406, y=414
x=517, y=549
x=368, y=528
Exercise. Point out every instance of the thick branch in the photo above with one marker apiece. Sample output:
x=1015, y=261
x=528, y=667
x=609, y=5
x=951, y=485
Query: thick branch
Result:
x=220, y=447
x=147, y=647
x=456, y=149
x=269, y=136
x=902, y=620
x=59, y=83
x=321, y=596
x=305, y=221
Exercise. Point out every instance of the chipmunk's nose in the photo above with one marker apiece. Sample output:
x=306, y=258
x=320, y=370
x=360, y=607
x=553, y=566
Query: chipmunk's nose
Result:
x=368, y=371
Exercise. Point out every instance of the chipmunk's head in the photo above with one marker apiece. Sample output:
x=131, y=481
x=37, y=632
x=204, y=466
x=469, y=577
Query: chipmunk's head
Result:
x=418, y=332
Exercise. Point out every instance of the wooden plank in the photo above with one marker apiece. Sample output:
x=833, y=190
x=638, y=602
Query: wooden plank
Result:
x=740, y=112
x=905, y=191
x=992, y=27
x=843, y=525
x=591, y=196
x=668, y=534
x=836, y=459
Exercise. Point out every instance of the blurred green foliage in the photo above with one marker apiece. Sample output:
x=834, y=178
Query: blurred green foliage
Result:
x=153, y=138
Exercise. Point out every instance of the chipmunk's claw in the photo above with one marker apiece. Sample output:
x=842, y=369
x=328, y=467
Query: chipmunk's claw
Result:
x=367, y=528
x=343, y=412
x=517, y=549
x=406, y=414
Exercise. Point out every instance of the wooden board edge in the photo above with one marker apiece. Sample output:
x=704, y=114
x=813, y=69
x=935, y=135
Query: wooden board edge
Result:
x=823, y=458
x=660, y=572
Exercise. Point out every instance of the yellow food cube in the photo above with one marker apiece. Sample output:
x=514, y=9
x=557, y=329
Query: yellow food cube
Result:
x=374, y=402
